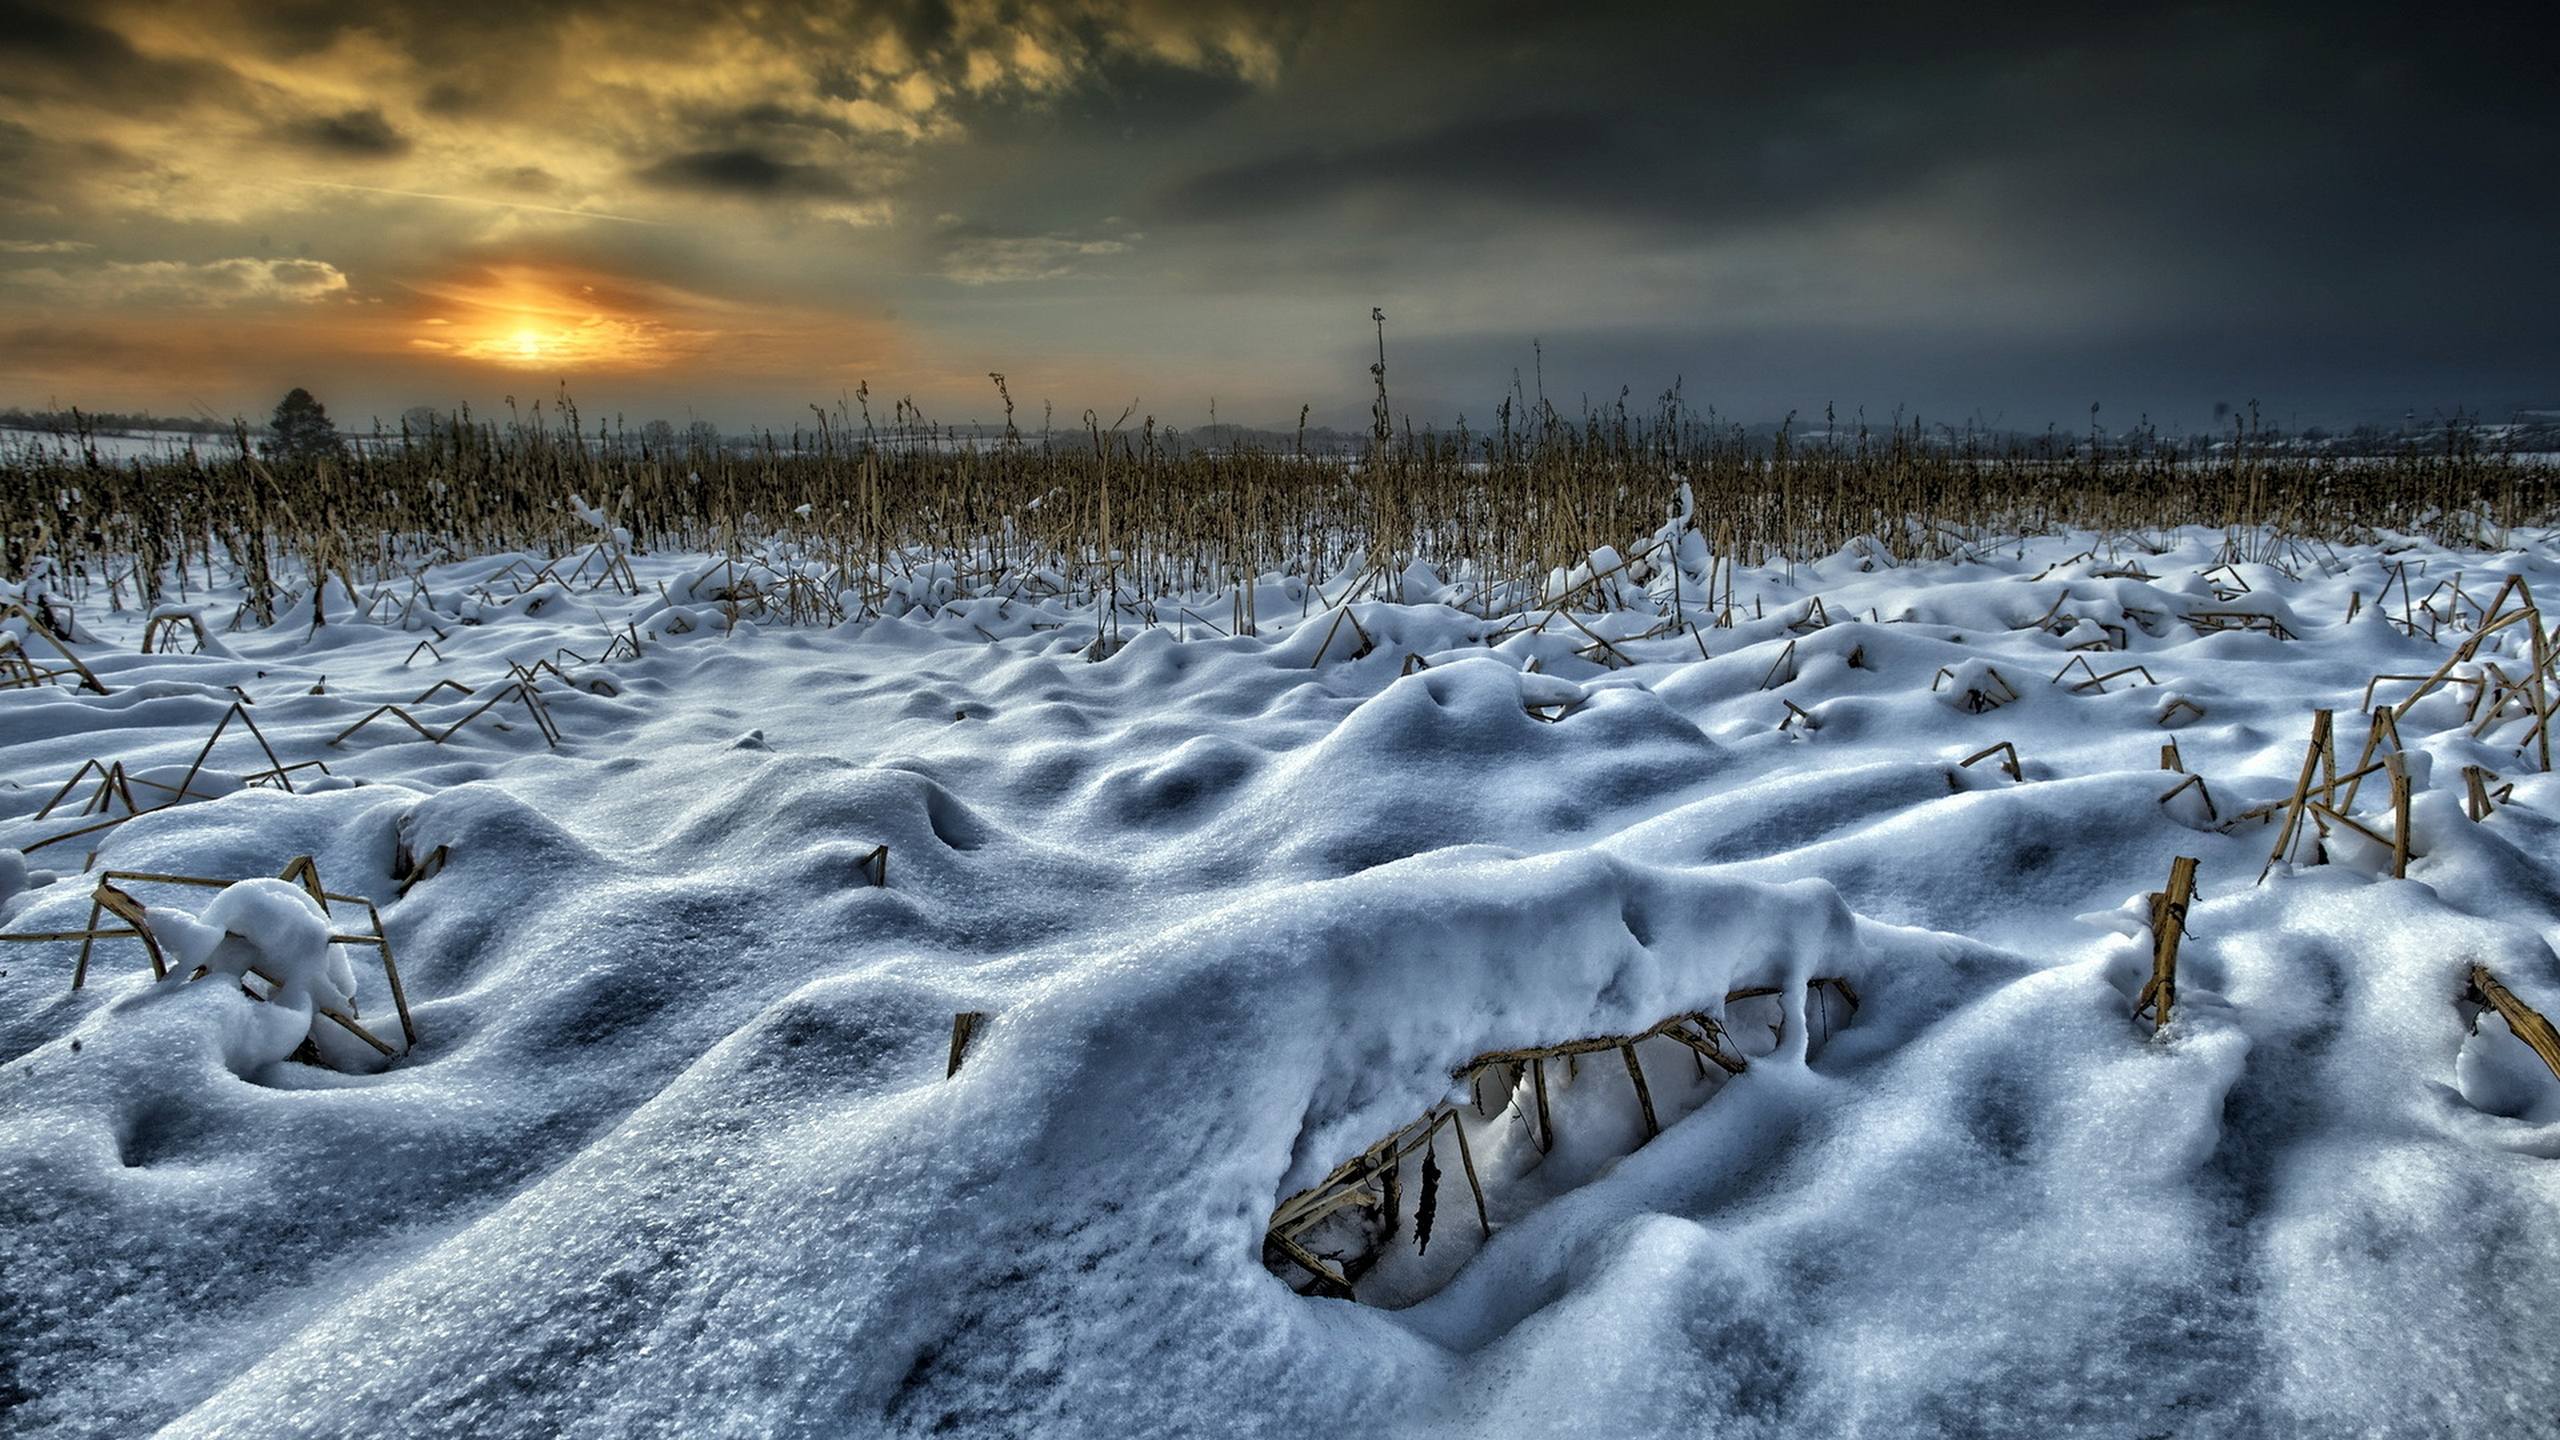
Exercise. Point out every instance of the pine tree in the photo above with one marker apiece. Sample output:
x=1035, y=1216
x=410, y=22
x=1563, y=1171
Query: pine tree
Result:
x=302, y=428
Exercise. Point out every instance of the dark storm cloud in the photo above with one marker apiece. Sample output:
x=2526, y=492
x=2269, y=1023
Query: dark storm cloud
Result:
x=1637, y=164
x=59, y=52
x=924, y=26
x=1712, y=117
x=49, y=34
x=1126, y=99
x=2305, y=176
x=744, y=171
x=353, y=133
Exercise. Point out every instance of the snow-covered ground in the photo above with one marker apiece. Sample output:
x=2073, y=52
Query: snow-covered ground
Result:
x=675, y=1152
x=135, y=447
x=113, y=446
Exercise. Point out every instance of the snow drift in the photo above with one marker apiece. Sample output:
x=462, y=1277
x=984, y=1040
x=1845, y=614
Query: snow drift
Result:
x=675, y=1153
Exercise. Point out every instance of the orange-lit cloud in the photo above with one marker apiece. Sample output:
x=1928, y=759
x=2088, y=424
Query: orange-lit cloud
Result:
x=618, y=104
x=239, y=280
x=384, y=192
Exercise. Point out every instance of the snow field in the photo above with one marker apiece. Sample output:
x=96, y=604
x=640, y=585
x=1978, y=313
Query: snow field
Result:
x=675, y=1153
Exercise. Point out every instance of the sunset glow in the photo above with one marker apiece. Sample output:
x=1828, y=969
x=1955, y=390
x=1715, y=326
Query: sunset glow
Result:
x=522, y=318
x=591, y=345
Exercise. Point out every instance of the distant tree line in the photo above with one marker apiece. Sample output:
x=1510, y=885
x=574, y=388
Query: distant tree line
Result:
x=76, y=420
x=300, y=429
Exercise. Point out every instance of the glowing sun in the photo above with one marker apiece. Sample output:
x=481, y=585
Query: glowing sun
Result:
x=535, y=319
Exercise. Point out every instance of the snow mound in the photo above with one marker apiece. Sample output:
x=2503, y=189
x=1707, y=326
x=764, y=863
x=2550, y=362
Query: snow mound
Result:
x=270, y=938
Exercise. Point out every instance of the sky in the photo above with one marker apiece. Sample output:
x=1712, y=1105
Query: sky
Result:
x=733, y=212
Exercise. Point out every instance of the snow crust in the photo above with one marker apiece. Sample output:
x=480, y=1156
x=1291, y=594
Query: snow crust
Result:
x=676, y=1154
